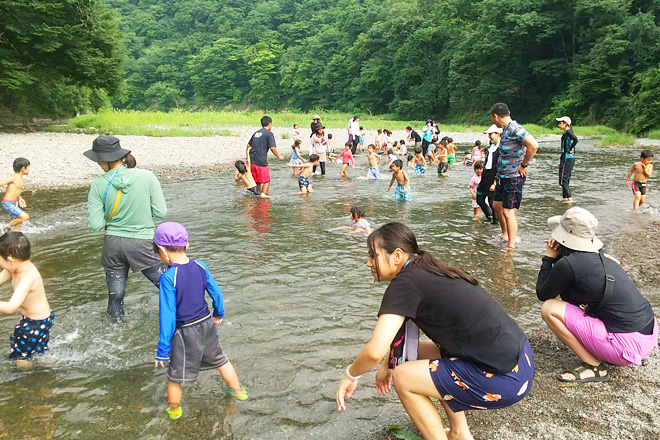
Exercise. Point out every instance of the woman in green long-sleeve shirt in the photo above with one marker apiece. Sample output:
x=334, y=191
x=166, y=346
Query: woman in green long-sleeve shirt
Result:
x=124, y=202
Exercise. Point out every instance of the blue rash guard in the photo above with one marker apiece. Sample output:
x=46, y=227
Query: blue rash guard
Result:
x=182, y=301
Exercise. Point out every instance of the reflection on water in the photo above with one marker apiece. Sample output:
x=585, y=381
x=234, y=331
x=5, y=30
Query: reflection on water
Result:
x=299, y=299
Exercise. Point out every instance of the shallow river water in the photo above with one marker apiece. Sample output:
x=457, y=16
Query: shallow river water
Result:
x=299, y=300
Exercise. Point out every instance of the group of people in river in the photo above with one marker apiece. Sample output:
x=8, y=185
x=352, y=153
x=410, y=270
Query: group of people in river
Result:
x=476, y=356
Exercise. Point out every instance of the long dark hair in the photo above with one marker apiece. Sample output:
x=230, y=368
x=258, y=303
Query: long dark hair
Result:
x=397, y=235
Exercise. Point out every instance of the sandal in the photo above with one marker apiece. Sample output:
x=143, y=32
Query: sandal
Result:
x=577, y=372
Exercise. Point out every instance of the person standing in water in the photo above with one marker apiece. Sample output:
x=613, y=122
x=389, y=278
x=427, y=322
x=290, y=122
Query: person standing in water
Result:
x=517, y=149
x=477, y=357
x=256, y=154
x=486, y=188
x=123, y=203
x=567, y=159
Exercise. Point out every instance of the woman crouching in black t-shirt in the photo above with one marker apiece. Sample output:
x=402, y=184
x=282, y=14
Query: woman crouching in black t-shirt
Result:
x=477, y=358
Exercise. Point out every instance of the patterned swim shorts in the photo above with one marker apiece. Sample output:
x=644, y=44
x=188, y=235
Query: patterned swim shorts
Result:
x=30, y=337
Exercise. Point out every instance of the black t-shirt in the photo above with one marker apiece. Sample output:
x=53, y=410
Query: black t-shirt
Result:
x=261, y=141
x=415, y=136
x=579, y=278
x=462, y=318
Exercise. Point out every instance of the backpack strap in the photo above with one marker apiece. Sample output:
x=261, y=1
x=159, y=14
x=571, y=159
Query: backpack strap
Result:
x=609, y=286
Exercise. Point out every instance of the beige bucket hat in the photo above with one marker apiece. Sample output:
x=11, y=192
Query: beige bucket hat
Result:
x=576, y=230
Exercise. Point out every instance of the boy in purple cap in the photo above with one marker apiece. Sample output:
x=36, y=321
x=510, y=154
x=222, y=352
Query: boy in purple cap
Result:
x=188, y=338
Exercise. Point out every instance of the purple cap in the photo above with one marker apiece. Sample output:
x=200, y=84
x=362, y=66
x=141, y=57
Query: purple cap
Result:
x=171, y=234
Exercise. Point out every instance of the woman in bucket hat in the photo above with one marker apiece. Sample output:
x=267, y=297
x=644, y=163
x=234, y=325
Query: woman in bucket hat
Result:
x=124, y=202
x=602, y=316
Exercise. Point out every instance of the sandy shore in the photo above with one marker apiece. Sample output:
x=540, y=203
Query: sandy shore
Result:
x=57, y=159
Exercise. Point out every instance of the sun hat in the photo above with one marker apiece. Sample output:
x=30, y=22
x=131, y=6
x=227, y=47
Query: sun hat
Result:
x=106, y=148
x=494, y=129
x=576, y=230
x=316, y=117
x=564, y=119
x=171, y=234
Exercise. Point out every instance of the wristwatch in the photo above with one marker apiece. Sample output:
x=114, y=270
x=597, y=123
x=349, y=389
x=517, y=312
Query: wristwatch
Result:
x=524, y=165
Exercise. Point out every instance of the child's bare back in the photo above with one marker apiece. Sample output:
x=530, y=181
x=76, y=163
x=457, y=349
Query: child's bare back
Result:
x=29, y=294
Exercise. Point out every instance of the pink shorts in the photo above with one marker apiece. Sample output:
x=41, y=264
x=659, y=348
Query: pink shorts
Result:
x=613, y=348
x=260, y=174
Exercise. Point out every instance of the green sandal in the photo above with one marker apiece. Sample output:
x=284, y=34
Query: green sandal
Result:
x=577, y=373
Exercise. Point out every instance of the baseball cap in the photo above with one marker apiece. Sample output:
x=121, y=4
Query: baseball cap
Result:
x=171, y=234
x=564, y=119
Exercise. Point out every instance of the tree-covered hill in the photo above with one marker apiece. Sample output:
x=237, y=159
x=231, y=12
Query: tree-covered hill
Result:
x=595, y=60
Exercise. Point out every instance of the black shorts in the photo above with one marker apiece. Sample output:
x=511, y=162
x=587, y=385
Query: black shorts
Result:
x=194, y=348
x=442, y=168
x=639, y=187
x=509, y=191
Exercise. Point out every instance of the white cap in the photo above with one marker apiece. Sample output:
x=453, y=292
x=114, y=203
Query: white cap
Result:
x=494, y=129
x=564, y=119
x=316, y=117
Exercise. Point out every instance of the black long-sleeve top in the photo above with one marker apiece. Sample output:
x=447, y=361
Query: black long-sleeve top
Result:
x=579, y=279
x=568, y=143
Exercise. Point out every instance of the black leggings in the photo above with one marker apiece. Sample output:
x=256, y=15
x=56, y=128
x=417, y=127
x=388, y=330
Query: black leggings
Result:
x=487, y=208
x=322, y=165
x=356, y=142
x=117, y=280
x=425, y=147
x=565, y=172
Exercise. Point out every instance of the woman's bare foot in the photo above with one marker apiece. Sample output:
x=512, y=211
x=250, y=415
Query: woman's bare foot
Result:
x=451, y=435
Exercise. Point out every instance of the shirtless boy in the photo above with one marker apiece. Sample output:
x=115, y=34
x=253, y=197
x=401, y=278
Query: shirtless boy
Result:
x=419, y=161
x=642, y=170
x=32, y=332
x=402, y=181
x=451, y=151
x=441, y=156
x=305, y=173
x=12, y=202
x=373, y=172
x=243, y=175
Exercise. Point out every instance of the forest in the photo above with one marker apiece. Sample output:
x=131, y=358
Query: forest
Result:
x=595, y=60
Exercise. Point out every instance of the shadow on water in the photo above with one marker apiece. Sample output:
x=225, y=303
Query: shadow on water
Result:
x=300, y=301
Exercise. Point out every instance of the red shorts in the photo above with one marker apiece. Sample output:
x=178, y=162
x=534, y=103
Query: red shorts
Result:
x=260, y=174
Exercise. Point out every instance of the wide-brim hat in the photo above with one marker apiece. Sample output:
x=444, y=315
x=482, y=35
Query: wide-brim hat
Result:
x=576, y=230
x=106, y=149
x=493, y=129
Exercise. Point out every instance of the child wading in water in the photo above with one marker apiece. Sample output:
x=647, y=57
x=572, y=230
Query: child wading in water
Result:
x=33, y=331
x=420, y=162
x=347, y=157
x=306, y=171
x=12, y=202
x=474, y=183
x=360, y=223
x=640, y=171
x=296, y=156
x=243, y=175
x=441, y=155
x=402, y=181
x=188, y=337
x=373, y=171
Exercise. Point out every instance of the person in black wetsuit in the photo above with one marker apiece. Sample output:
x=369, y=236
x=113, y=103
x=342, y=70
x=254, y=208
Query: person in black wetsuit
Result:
x=567, y=159
x=486, y=188
x=599, y=319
